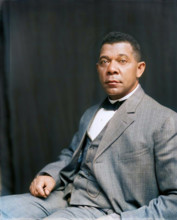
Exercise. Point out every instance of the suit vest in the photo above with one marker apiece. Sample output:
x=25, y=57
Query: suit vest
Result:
x=85, y=189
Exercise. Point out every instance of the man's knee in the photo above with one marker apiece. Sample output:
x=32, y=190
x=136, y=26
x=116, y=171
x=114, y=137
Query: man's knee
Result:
x=28, y=206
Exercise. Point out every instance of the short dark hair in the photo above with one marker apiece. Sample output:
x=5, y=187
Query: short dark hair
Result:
x=115, y=37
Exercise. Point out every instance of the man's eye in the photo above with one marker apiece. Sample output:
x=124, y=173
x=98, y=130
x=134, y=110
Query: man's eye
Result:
x=123, y=61
x=103, y=61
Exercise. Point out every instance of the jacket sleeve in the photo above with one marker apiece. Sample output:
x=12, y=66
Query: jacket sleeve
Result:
x=165, y=151
x=53, y=169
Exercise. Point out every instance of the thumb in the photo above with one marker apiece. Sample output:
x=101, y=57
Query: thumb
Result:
x=49, y=187
x=47, y=192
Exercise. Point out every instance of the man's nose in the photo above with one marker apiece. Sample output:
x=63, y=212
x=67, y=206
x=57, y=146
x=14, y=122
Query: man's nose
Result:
x=113, y=68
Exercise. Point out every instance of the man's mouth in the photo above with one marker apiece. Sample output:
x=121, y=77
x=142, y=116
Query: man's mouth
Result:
x=112, y=82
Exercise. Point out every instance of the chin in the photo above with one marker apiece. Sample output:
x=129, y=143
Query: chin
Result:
x=115, y=95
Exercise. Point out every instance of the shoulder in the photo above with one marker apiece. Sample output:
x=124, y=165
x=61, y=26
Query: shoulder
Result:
x=92, y=108
x=156, y=113
x=155, y=106
x=89, y=113
x=148, y=103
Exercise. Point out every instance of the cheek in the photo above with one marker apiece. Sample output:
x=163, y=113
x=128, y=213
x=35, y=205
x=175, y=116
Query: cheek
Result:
x=130, y=76
x=101, y=75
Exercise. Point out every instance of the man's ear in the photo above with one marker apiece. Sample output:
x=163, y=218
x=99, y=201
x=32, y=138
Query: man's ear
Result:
x=140, y=69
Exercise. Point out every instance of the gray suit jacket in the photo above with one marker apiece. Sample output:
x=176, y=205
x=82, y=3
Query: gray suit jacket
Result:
x=136, y=161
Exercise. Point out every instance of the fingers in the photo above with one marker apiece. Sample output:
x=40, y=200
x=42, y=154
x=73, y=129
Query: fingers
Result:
x=37, y=187
x=49, y=187
x=41, y=186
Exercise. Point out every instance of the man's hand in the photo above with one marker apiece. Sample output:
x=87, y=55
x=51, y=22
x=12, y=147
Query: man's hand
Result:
x=42, y=186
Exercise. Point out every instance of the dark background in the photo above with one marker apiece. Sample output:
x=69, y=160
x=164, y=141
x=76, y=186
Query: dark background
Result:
x=48, y=50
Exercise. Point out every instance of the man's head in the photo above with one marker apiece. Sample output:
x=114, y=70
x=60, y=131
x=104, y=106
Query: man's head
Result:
x=116, y=37
x=119, y=65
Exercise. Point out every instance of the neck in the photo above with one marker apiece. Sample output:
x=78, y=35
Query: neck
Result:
x=124, y=97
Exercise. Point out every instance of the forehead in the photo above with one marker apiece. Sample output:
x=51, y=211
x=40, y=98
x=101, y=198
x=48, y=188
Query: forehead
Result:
x=115, y=49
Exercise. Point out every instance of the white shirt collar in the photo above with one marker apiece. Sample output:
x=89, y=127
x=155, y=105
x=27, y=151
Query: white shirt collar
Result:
x=125, y=97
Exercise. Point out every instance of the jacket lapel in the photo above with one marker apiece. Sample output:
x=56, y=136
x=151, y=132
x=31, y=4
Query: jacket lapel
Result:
x=88, y=120
x=68, y=172
x=122, y=119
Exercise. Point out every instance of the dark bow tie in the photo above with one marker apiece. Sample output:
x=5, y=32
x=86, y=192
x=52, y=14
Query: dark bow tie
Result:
x=109, y=106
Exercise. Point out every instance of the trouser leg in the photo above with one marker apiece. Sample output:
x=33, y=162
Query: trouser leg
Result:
x=26, y=206
x=76, y=213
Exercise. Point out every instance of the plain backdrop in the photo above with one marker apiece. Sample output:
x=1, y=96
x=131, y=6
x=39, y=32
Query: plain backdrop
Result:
x=49, y=50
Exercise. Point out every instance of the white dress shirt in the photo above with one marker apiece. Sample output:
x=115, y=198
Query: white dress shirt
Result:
x=103, y=116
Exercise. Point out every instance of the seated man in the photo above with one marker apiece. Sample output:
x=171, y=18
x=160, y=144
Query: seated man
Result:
x=122, y=162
